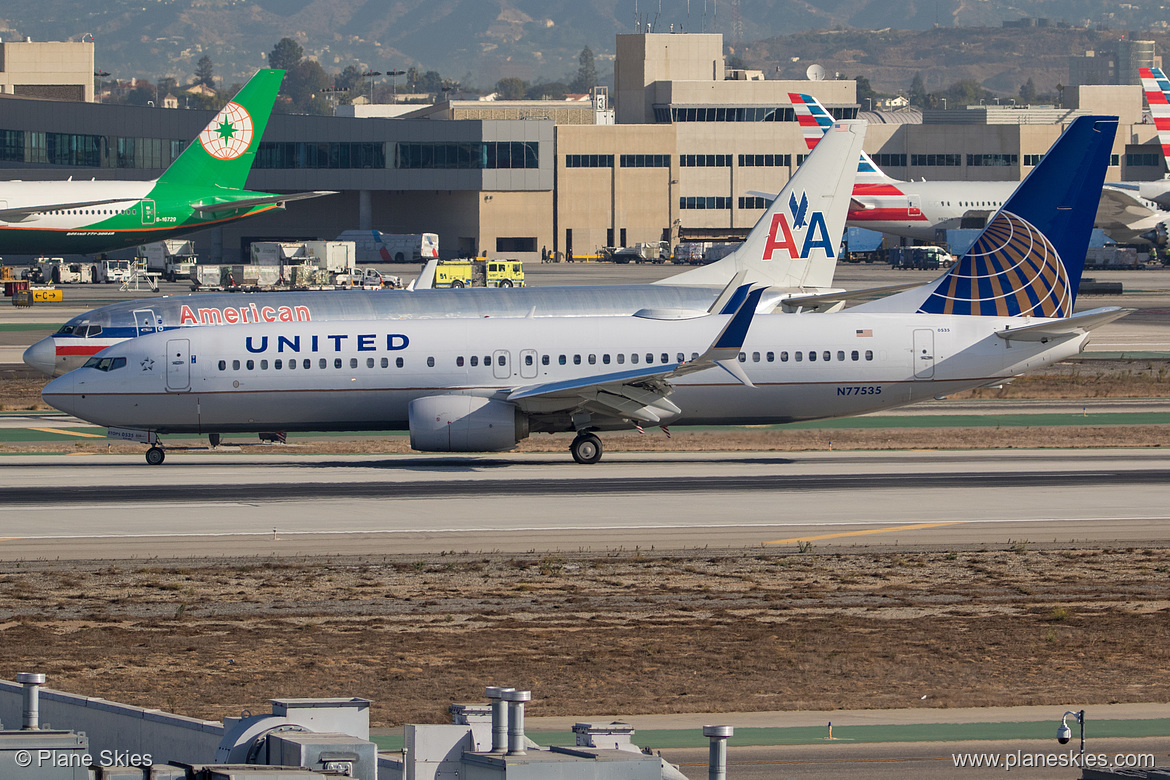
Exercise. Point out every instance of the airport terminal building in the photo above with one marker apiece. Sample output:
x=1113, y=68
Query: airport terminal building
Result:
x=678, y=155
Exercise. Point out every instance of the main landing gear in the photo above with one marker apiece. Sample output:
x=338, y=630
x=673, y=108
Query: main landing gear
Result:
x=586, y=448
x=155, y=455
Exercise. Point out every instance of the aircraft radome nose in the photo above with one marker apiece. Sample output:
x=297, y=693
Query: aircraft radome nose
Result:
x=42, y=356
x=59, y=394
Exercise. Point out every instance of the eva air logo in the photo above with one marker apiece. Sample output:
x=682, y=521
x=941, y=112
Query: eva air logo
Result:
x=229, y=134
x=811, y=224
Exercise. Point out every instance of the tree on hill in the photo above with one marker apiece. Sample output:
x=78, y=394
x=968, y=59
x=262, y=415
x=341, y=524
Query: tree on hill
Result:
x=1028, y=91
x=285, y=54
x=553, y=90
x=511, y=89
x=917, y=95
x=967, y=92
x=305, y=85
x=586, y=78
x=205, y=72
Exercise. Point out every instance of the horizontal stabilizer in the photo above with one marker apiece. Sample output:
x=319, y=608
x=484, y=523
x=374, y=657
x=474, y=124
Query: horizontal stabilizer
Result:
x=810, y=301
x=1076, y=325
x=248, y=203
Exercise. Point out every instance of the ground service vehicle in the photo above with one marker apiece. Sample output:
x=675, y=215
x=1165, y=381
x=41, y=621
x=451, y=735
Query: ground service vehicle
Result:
x=921, y=258
x=479, y=273
x=374, y=246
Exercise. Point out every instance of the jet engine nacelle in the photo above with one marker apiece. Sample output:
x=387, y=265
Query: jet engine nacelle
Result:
x=464, y=423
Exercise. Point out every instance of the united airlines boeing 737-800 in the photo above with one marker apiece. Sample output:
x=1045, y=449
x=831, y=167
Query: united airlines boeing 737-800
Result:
x=483, y=385
x=201, y=189
x=792, y=250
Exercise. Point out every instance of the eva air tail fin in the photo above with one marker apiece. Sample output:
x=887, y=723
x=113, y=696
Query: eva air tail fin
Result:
x=222, y=155
x=795, y=243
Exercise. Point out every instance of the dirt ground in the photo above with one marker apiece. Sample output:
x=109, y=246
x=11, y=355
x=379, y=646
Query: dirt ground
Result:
x=627, y=633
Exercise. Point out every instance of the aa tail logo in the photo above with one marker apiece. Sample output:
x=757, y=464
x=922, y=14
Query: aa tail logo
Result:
x=798, y=209
x=780, y=233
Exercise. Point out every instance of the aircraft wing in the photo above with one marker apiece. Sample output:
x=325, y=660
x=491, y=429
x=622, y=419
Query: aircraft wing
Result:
x=21, y=213
x=640, y=394
x=1076, y=325
x=247, y=203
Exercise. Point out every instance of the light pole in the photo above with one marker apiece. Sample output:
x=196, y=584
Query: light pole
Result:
x=944, y=102
x=1064, y=734
x=371, y=75
x=394, y=74
x=870, y=101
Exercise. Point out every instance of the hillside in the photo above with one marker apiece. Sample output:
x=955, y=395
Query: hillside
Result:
x=480, y=41
x=999, y=59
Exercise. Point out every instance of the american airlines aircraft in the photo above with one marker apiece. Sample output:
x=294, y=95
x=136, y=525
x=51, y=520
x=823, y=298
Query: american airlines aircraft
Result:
x=202, y=188
x=1128, y=211
x=483, y=385
x=792, y=250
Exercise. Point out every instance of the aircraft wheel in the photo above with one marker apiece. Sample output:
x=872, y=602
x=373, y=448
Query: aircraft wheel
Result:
x=155, y=456
x=586, y=448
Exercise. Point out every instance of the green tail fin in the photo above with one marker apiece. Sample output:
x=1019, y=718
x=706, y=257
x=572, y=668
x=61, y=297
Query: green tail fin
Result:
x=224, y=151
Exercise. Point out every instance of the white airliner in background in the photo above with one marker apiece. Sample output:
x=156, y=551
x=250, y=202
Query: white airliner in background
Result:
x=483, y=385
x=792, y=250
x=1128, y=211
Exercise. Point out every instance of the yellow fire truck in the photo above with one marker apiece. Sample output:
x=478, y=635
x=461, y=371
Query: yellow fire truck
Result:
x=479, y=273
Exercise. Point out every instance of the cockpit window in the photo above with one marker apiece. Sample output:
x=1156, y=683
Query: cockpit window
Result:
x=105, y=363
x=66, y=330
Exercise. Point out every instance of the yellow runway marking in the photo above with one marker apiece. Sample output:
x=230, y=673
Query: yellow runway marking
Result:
x=65, y=432
x=914, y=527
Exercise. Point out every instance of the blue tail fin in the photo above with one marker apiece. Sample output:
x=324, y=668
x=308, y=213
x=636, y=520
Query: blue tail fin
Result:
x=1029, y=259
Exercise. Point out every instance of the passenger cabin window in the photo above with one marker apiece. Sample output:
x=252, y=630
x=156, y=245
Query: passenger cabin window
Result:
x=742, y=357
x=544, y=360
x=869, y=354
x=459, y=361
x=576, y=360
x=634, y=358
x=430, y=362
x=399, y=362
x=593, y=360
x=385, y=362
x=263, y=365
x=309, y=363
x=235, y=365
x=250, y=365
x=665, y=358
x=353, y=362
x=528, y=360
x=222, y=364
x=370, y=363
x=799, y=355
x=621, y=358
x=474, y=361
x=605, y=358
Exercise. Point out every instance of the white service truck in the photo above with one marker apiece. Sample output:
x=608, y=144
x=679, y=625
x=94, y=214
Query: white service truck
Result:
x=174, y=258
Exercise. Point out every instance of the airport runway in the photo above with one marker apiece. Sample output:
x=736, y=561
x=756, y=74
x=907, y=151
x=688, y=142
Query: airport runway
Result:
x=221, y=504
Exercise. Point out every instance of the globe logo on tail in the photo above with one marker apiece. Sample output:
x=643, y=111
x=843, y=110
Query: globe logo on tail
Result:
x=229, y=135
x=1012, y=270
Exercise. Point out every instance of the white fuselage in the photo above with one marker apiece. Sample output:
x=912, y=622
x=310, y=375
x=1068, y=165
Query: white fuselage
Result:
x=918, y=209
x=363, y=375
